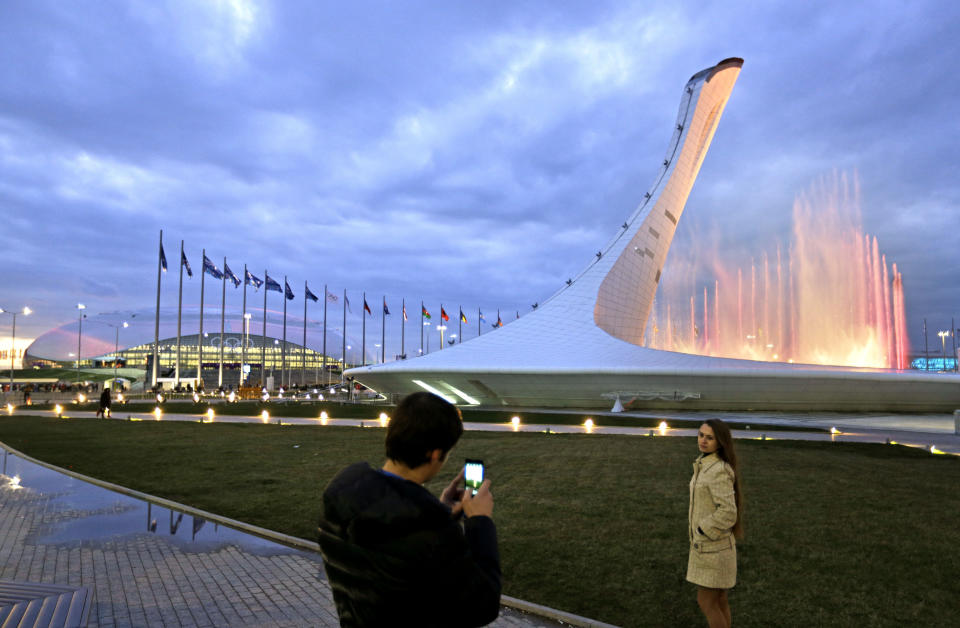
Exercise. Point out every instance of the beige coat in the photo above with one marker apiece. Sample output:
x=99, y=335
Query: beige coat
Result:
x=713, y=554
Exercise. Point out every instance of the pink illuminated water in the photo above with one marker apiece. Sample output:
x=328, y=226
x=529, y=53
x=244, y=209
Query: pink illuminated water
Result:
x=829, y=298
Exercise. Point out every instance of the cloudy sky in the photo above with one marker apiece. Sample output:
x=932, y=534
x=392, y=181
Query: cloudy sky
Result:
x=470, y=153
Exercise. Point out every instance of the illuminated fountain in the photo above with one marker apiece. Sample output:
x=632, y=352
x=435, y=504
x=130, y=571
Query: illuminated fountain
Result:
x=831, y=298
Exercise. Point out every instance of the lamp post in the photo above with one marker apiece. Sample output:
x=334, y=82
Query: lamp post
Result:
x=13, y=337
x=116, y=344
x=243, y=349
x=441, y=329
x=81, y=307
x=427, y=324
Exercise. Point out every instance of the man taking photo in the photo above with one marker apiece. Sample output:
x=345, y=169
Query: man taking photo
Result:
x=395, y=554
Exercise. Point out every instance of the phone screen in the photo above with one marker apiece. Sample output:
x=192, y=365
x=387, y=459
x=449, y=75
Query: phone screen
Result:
x=473, y=475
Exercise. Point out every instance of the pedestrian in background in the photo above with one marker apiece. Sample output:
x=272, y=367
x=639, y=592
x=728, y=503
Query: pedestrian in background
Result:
x=714, y=521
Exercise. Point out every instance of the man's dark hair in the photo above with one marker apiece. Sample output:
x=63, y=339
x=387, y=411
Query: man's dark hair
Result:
x=421, y=423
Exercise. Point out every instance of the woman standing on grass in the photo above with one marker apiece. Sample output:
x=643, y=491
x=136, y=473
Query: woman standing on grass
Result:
x=714, y=519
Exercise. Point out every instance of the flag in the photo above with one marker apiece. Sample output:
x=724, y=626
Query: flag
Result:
x=423, y=312
x=443, y=314
x=332, y=297
x=346, y=300
x=385, y=310
x=405, y=313
x=366, y=307
x=482, y=317
x=272, y=285
x=231, y=276
x=211, y=269
x=463, y=319
x=308, y=294
x=186, y=264
x=163, y=258
x=253, y=280
x=287, y=292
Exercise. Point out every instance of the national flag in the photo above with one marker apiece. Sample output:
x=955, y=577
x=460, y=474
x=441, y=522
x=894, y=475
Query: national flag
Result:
x=463, y=319
x=443, y=314
x=272, y=285
x=332, y=297
x=346, y=300
x=163, y=258
x=366, y=307
x=385, y=310
x=423, y=312
x=253, y=280
x=232, y=277
x=308, y=294
x=480, y=314
x=287, y=292
x=405, y=312
x=185, y=264
x=211, y=268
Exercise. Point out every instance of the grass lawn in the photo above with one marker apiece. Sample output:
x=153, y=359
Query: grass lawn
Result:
x=838, y=534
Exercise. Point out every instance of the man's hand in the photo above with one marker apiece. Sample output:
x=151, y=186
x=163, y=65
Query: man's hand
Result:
x=452, y=495
x=479, y=504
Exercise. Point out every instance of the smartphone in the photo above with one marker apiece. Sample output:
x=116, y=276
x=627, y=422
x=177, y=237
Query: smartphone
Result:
x=472, y=475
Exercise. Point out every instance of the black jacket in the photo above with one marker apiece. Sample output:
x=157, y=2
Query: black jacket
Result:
x=395, y=557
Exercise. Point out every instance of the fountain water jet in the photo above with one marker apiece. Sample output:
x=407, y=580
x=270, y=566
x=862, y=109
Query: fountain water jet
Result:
x=833, y=300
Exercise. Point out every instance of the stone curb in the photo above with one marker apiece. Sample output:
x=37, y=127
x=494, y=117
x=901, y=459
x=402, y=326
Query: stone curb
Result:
x=292, y=541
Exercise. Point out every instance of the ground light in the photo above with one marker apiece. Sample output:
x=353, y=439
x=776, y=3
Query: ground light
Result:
x=10, y=408
x=210, y=415
x=81, y=398
x=663, y=427
x=159, y=398
x=265, y=416
x=120, y=398
x=515, y=422
x=588, y=425
x=384, y=419
x=323, y=417
x=58, y=410
x=196, y=398
x=232, y=397
x=157, y=413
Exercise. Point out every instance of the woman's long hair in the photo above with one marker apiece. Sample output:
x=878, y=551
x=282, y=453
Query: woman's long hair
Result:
x=728, y=454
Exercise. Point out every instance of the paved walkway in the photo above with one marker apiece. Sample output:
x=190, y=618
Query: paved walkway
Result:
x=57, y=529
x=916, y=430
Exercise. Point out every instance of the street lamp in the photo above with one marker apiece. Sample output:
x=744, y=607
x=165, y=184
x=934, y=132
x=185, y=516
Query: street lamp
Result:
x=243, y=349
x=81, y=307
x=13, y=337
x=944, y=334
x=441, y=329
x=116, y=344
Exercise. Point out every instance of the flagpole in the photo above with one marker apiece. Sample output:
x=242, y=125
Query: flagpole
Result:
x=479, y=331
x=363, y=349
x=283, y=349
x=176, y=375
x=263, y=340
x=325, y=299
x=243, y=330
x=343, y=366
x=223, y=307
x=156, y=322
x=303, y=348
x=383, y=332
x=203, y=276
x=441, y=326
x=421, y=327
x=403, y=328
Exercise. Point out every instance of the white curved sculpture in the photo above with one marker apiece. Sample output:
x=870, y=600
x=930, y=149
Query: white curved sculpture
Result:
x=582, y=347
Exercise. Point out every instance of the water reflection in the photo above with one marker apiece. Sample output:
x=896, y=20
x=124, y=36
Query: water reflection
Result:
x=85, y=513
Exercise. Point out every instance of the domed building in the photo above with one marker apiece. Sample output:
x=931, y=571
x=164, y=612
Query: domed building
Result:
x=248, y=354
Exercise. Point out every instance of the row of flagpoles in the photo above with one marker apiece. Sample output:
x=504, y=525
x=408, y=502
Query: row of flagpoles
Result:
x=271, y=285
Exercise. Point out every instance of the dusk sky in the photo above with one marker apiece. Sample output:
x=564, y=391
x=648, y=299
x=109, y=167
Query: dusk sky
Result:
x=476, y=154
